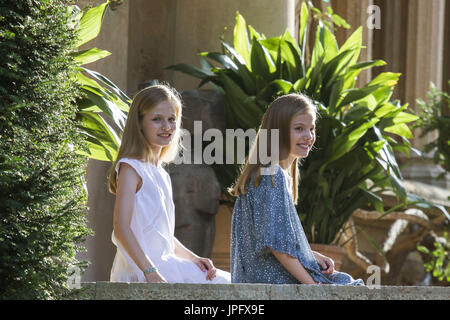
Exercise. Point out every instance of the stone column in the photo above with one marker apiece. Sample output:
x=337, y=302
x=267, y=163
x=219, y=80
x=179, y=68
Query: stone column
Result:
x=150, y=41
x=389, y=42
x=200, y=23
x=356, y=15
x=424, y=60
x=163, y=33
x=424, y=52
x=411, y=41
x=446, y=63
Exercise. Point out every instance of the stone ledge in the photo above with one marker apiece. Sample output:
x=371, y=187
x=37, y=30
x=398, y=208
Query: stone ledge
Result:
x=178, y=291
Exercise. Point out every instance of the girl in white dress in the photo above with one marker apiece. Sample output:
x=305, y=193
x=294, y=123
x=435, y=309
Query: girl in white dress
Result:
x=144, y=212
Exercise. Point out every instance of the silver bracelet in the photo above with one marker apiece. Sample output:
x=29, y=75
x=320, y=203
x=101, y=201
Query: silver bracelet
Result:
x=150, y=270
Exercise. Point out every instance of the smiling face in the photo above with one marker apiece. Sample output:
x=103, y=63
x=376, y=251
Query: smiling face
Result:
x=159, y=125
x=302, y=135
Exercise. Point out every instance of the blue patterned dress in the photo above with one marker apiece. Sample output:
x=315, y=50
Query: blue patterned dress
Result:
x=266, y=218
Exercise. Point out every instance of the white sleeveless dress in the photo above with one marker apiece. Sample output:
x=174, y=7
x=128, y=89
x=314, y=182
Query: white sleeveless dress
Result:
x=153, y=224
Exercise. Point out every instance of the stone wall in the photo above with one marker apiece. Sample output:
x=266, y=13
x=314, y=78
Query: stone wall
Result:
x=167, y=291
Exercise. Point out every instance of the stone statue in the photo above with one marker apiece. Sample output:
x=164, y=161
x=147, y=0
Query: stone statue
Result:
x=196, y=189
x=196, y=197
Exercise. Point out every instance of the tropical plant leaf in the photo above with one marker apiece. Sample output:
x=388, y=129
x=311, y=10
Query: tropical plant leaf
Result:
x=125, y=100
x=89, y=55
x=103, y=140
x=304, y=13
x=90, y=24
x=401, y=130
x=255, y=34
x=221, y=58
x=329, y=44
x=240, y=39
x=368, y=64
x=106, y=105
x=318, y=50
x=354, y=95
x=247, y=113
x=190, y=70
x=354, y=42
x=404, y=117
x=347, y=139
x=261, y=61
x=243, y=72
x=97, y=151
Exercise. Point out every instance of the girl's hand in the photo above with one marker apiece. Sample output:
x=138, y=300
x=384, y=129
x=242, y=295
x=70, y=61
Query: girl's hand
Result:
x=155, y=277
x=326, y=263
x=206, y=264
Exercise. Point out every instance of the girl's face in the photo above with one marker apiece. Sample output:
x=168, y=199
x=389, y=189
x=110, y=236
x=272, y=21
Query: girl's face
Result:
x=302, y=134
x=159, y=125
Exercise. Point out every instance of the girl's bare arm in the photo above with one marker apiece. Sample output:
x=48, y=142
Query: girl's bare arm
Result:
x=294, y=267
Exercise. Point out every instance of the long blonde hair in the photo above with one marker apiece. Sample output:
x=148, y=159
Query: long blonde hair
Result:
x=278, y=115
x=133, y=144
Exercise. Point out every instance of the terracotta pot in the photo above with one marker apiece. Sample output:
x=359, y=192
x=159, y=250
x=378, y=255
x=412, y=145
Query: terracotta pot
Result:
x=334, y=252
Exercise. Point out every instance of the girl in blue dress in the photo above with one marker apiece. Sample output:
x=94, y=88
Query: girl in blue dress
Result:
x=268, y=244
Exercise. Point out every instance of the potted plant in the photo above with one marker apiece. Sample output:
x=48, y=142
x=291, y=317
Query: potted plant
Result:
x=354, y=158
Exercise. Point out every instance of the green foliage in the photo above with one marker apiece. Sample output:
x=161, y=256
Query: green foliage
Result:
x=42, y=193
x=438, y=259
x=354, y=158
x=432, y=118
x=102, y=106
x=329, y=18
